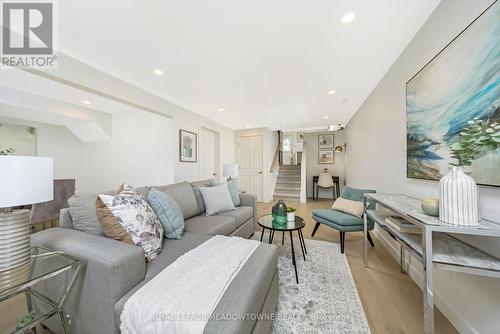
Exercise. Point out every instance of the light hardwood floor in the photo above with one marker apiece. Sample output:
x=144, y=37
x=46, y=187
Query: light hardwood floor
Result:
x=391, y=300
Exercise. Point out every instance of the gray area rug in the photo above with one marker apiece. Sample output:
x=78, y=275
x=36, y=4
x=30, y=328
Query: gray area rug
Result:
x=325, y=300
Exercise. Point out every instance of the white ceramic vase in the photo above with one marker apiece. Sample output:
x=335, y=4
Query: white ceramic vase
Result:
x=458, y=198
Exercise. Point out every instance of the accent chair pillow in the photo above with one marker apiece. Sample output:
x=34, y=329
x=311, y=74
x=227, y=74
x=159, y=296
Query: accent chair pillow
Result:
x=169, y=213
x=128, y=217
x=348, y=206
x=217, y=199
x=233, y=190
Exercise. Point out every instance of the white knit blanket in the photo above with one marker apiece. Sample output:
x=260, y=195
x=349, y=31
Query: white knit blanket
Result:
x=183, y=296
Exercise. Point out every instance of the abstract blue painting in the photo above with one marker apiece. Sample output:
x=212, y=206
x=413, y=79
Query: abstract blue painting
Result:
x=456, y=90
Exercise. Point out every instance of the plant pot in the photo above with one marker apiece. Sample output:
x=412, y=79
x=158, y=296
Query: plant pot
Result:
x=291, y=216
x=458, y=198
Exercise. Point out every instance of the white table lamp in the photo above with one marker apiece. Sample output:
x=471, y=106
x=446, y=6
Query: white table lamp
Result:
x=230, y=171
x=23, y=180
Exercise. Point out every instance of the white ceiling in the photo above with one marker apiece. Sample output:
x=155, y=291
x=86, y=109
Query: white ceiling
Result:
x=267, y=63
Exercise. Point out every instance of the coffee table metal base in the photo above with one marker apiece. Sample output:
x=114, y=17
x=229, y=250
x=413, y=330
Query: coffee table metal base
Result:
x=302, y=245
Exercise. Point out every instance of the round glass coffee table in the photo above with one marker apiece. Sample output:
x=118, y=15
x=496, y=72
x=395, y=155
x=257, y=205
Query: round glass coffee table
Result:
x=268, y=222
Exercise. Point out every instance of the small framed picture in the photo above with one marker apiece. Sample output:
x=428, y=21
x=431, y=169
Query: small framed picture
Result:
x=325, y=156
x=300, y=137
x=325, y=141
x=188, y=146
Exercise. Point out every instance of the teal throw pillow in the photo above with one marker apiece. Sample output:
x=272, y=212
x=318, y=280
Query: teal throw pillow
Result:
x=233, y=190
x=169, y=213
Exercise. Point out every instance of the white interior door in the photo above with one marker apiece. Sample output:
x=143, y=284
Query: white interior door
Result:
x=251, y=165
x=288, y=148
x=209, y=162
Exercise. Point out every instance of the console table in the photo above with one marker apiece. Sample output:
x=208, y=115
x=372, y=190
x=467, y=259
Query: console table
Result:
x=434, y=247
x=336, y=182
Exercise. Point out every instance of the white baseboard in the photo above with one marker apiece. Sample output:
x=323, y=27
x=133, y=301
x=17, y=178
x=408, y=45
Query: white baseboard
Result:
x=415, y=272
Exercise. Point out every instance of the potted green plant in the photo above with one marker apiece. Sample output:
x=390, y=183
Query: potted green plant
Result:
x=290, y=213
x=7, y=151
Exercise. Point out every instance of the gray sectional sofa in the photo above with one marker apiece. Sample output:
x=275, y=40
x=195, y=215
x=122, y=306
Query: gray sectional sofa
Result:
x=114, y=270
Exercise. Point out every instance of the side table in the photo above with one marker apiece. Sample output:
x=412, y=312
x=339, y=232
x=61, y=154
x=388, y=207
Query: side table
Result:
x=20, y=287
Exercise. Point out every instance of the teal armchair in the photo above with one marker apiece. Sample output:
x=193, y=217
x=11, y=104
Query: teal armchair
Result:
x=344, y=222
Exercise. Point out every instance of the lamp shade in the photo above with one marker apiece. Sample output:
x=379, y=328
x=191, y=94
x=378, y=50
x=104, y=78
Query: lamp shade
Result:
x=25, y=180
x=230, y=170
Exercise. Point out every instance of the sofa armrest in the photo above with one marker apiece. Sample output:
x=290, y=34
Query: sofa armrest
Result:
x=251, y=201
x=110, y=269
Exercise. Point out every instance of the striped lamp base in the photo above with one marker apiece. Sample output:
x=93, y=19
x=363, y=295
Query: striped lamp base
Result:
x=458, y=199
x=14, y=240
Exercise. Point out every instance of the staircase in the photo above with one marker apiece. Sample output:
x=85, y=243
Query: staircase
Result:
x=288, y=183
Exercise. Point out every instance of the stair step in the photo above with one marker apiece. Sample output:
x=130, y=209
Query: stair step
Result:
x=286, y=190
x=282, y=176
x=288, y=184
x=287, y=194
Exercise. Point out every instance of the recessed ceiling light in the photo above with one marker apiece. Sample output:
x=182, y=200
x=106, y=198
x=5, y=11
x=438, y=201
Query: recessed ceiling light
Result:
x=220, y=109
x=247, y=126
x=325, y=117
x=86, y=102
x=158, y=72
x=331, y=92
x=347, y=18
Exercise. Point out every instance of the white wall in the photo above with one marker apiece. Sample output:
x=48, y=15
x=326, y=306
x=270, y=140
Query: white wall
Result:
x=314, y=168
x=376, y=158
x=140, y=153
x=83, y=74
x=189, y=171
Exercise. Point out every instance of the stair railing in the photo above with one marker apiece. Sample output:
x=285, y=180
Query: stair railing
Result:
x=303, y=174
x=275, y=166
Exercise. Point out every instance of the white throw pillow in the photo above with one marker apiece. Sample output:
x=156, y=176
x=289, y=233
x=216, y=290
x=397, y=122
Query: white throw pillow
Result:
x=217, y=199
x=351, y=207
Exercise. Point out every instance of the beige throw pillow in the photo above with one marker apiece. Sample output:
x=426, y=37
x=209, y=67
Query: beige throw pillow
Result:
x=128, y=217
x=351, y=207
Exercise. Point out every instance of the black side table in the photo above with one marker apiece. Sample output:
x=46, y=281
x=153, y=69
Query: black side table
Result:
x=268, y=222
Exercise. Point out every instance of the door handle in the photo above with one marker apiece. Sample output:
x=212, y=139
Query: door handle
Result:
x=260, y=172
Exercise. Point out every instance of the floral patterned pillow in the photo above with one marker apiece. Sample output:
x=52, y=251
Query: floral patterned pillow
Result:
x=128, y=217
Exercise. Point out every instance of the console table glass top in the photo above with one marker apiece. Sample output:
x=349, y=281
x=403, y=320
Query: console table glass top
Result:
x=21, y=296
x=410, y=207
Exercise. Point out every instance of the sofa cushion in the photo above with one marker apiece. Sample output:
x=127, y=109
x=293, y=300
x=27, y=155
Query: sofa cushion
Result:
x=183, y=194
x=83, y=215
x=169, y=213
x=339, y=218
x=217, y=199
x=172, y=250
x=197, y=193
x=222, y=225
x=232, y=185
x=242, y=214
x=233, y=190
x=129, y=218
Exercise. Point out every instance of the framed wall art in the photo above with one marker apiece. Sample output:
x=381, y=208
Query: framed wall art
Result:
x=453, y=106
x=325, y=141
x=188, y=146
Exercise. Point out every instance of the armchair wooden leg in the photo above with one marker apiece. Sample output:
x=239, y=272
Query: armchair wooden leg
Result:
x=315, y=228
x=342, y=242
x=370, y=239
